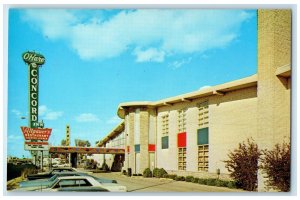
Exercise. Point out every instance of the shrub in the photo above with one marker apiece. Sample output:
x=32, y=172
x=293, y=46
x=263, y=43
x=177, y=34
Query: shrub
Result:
x=276, y=164
x=221, y=183
x=155, y=172
x=243, y=165
x=147, y=173
x=159, y=173
x=189, y=179
x=105, y=167
x=124, y=172
x=172, y=176
x=202, y=181
x=180, y=178
x=195, y=180
x=211, y=181
x=166, y=176
x=232, y=184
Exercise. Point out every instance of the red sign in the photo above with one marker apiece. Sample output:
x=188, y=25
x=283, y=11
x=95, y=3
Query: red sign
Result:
x=36, y=143
x=36, y=133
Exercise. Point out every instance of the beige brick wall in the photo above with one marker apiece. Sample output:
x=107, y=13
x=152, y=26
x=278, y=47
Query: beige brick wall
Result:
x=274, y=50
x=131, y=141
x=144, y=138
x=232, y=119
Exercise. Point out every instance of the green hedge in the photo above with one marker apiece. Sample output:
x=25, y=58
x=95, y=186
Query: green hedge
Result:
x=180, y=178
x=189, y=179
x=202, y=181
x=195, y=180
x=172, y=176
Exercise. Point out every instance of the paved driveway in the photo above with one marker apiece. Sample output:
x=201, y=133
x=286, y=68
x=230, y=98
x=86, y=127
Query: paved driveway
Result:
x=140, y=184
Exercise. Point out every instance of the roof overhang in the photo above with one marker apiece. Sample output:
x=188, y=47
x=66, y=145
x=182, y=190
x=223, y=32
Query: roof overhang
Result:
x=189, y=97
x=114, y=133
x=284, y=71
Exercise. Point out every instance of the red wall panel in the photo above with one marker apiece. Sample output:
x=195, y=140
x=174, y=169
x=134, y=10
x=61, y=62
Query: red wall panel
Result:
x=181, y=139
x=151, y=147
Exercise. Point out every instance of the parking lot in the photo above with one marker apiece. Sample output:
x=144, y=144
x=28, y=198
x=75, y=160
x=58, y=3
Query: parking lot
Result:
x=140, y=184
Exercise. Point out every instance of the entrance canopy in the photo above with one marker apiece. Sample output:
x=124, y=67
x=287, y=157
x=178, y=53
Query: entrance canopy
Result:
x=91, y=150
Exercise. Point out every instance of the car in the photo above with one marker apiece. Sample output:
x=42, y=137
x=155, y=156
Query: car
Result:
x=49, y=174
x=83, y=189
x=48, y=182
x=75, y=183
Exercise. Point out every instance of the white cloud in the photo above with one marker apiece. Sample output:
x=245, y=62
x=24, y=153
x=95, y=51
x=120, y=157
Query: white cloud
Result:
x=48, y=114
x=14, y=137
x=53, y=115
x=150, y=54
x=162, y=33
x=87, y=117
x=113, y=120
x=42, y=110
x=16, y=112
x=178, y=63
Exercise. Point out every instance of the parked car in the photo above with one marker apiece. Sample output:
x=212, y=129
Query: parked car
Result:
x=49, y=174
x=44, y=183
x=75, y=183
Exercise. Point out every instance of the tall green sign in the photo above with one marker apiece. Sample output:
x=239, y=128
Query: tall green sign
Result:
x=34, y=60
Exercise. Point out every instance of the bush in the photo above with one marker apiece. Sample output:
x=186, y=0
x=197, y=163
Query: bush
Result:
x=189, y=179
x=221, y=183
x=166, y=176
x=276, y=164
x=172, y=176
x=211, y=181
x=140, y=174
x=159, y=173
x=155, y=172
x=180, y=178
x=243, y=165
x=232, y=184
x=134, y=174
x=147, y=173
x=202, y=181
x=124, y=172
x=195, y=180
x=105, y=167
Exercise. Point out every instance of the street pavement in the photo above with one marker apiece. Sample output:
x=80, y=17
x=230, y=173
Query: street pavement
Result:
x=140, y=184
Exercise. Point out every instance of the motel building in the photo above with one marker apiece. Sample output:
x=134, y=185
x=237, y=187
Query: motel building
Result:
x=192, y=134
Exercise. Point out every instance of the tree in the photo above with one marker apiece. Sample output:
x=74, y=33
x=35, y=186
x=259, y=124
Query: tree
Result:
x=82, y=143
x=243, y=165
x=63, y=142
x=276, y=163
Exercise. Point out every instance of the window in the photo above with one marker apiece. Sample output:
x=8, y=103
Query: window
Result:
x=165, y=125
x=72, y=183
x=203, y=149
x=203, y=119
x=182, y=120
x=137, y=148
x=182, y=158
x=165, y=142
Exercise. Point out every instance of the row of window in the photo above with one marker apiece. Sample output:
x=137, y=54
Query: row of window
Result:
x=203, y=150
x=203, y=119
x=202, y=138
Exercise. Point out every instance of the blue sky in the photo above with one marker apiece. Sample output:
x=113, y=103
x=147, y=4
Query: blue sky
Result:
x=96, y=59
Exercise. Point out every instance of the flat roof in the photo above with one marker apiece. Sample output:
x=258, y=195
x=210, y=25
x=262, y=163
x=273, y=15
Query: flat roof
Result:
x=113, y=133
x=213, y=90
